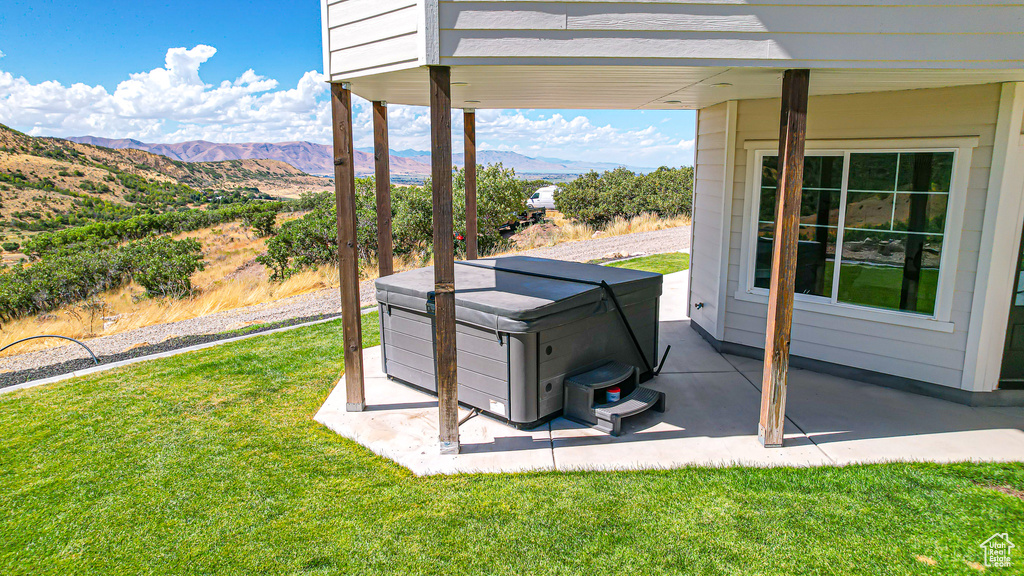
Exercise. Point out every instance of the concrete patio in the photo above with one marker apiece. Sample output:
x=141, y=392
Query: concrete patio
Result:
x=711, y=419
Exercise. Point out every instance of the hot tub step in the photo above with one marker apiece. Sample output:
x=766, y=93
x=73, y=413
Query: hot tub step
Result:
x=582, y=389
x=608, y=374
x=609, y=416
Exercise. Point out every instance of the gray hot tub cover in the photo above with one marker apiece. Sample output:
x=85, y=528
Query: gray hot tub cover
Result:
x=517, y=303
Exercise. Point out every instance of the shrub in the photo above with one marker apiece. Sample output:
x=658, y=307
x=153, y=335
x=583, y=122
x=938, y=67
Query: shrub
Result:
x=11, y=246
x=161, y=265
x=164, y=267
x=597, y=199
x=581, y=199
x=104, y=233
x=260, y=219
x=309, y=241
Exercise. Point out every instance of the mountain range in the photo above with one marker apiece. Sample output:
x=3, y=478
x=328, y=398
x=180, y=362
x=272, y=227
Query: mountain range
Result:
x=318, y=159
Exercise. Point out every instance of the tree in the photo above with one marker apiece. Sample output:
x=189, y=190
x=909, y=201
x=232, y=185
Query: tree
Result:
x=259, y=219
x=597, y=199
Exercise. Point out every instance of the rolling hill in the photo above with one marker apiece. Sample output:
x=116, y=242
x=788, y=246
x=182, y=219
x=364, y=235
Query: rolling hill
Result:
x=318, y=158
x=49, y=183
x=305, y=156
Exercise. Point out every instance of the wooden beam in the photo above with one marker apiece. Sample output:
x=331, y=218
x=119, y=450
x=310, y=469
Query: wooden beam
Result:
x=382, y=177
x=444, y=257
x=469, y=124
x=348, y=258
x=792, y=133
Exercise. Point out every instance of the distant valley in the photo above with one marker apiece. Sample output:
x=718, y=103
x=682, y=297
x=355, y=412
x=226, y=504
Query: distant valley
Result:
x=406, y=165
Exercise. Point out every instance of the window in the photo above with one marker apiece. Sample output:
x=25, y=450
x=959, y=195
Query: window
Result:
x=872, y=227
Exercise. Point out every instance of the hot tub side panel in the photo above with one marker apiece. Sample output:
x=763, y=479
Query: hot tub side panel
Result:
x=483, y=361
x=518, y=376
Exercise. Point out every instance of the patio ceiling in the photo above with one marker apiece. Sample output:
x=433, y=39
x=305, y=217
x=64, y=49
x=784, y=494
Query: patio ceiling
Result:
x=642, y=87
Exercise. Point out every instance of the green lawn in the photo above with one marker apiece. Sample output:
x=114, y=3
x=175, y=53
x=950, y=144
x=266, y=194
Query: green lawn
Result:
x=661, y=263
x=210, y=463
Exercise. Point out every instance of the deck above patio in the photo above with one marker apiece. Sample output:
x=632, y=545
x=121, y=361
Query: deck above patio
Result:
x=661, y=55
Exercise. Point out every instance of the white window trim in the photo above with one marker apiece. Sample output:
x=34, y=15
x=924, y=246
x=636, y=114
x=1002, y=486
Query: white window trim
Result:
x=962, y=148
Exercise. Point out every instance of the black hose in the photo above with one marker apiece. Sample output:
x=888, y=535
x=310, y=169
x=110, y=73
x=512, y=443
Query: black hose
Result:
x=663, y=358
x=94, y=359
x=472, y=413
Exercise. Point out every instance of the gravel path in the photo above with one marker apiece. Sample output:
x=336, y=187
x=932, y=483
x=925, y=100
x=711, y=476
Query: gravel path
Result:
x=326, y=302
x=640, y=243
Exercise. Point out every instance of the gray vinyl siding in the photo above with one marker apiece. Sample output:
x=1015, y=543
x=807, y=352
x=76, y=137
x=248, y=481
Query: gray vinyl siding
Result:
x=856, y=33
x=372, y=36
x=706, y=251
x=920, y=354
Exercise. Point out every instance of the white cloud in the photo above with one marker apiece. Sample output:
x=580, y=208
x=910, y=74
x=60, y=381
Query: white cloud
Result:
x=2, y=54
x=173, y=104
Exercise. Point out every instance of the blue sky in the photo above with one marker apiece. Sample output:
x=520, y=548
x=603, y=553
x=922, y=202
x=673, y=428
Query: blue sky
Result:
x=231, y=71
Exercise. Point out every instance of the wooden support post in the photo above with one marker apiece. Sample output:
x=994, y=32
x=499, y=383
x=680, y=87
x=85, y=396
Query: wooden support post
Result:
x=382, y=177
x=784, y=253
x=348, y=258
x=469, y=124
x=444, y=257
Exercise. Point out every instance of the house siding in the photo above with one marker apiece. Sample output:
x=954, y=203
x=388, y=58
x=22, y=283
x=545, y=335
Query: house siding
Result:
x=709, y=213
x=363, y=37
x=916, y=353
x=853, y=34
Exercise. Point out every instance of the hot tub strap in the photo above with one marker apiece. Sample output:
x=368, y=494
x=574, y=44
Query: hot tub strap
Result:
x=602, y=284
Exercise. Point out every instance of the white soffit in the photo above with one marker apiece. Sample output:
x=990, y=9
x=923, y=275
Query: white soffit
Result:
x=644, y=88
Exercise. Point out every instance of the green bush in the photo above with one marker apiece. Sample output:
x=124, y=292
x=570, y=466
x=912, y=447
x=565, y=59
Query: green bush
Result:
x=598, y=198
x=164, y=267
x=11, y=246
x=306, y=242
x=312, y=240
x=104, y=233
x=260, y=218
x=161, y=265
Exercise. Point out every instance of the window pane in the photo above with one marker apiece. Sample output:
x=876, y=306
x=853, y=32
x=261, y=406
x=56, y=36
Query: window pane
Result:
x=823, y=172
x=770, y=171
x=766, y=212
x=1020, y=282
x=892, y=242
x=819, y=219
x=819, y=207
x=815, y=259
x=871, y=210
x=890, y=270
x=925, y=171
x=920, y=213
x=819, y=172
x=873, y=171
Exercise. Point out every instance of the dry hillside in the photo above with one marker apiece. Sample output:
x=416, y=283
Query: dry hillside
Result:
x=91, y=171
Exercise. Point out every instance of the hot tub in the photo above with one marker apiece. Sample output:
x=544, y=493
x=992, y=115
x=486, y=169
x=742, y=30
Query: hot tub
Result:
x=522, y=326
